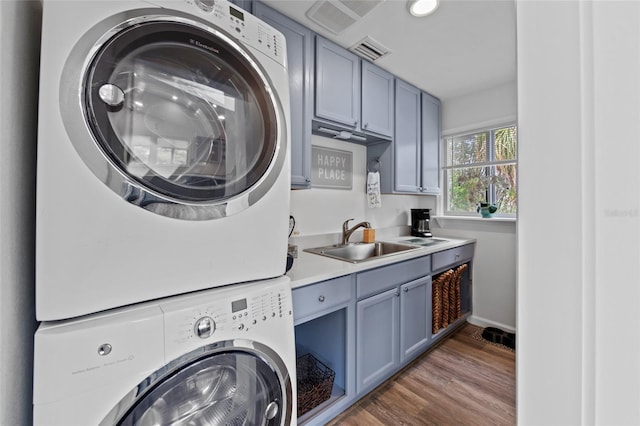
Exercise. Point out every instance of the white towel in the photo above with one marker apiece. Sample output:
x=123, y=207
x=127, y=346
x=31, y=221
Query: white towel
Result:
x=373, y=190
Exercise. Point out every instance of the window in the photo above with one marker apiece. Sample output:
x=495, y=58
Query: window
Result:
x=481, y=168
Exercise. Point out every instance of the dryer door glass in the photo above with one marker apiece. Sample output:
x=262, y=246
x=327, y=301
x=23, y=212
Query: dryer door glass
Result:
x=181, y=111
x=229, y=388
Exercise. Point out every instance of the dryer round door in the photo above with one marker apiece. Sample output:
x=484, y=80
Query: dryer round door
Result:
x=183, y=118
x=224, y=387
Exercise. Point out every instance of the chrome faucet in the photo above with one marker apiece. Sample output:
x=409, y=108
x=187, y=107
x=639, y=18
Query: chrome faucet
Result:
x=346, y=232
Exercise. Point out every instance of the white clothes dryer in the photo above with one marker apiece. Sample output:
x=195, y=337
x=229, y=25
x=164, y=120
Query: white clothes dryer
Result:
x=163, y=152
x=223, y=356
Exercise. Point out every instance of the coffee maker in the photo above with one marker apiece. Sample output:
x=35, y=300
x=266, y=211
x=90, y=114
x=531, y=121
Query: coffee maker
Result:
x=420, y=223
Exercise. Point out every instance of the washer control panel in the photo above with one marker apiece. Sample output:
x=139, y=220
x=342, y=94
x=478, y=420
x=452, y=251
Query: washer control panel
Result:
x=204, y=318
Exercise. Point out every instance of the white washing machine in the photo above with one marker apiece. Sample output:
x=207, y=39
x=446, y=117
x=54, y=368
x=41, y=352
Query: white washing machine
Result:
x=224, y=356
x=163, y=154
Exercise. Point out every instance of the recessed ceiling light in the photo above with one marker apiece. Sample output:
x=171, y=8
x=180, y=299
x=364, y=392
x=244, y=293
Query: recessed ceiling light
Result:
x=421, y=8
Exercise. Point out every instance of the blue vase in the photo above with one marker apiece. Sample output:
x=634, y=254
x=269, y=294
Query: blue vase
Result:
x=487, y=210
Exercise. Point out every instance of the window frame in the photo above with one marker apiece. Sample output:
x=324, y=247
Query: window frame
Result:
x=490, y=163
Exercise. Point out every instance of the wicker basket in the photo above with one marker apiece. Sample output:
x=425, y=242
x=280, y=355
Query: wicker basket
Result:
x=445, y=298
x=314, y=380
x=436, y=297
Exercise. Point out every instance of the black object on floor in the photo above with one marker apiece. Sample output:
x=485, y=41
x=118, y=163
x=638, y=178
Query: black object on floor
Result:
x=500, y=337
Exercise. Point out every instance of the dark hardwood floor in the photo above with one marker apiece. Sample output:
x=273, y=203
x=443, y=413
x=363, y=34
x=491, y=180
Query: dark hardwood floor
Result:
x=462, y=381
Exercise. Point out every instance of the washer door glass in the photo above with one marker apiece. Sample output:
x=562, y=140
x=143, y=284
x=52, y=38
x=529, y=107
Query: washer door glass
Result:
x=230, y=388
x=181, y=112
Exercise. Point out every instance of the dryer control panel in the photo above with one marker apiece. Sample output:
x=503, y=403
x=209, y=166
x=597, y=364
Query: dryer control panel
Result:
x=225, y=314
x=236, y=22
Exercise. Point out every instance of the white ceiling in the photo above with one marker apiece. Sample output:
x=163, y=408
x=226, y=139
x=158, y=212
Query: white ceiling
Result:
x=464, y=47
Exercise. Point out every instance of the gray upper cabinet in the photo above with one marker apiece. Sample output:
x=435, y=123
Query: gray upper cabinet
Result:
x=406, y=152
x=411, y=165
x=337, y=84
x=377, y=100
x=353, y=98
x=430, y=144
x=300, y=61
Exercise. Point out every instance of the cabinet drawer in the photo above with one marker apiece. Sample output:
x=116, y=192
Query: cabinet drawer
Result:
x=376, y=280
x=321, y=296
x=442, y=259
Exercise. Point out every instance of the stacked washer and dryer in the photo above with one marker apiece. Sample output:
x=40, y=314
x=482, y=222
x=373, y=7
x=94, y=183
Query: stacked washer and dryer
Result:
x=162, y=217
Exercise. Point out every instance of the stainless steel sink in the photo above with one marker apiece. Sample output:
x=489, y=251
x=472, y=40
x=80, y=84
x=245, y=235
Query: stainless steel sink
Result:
x=424, y=241
x=360, y=252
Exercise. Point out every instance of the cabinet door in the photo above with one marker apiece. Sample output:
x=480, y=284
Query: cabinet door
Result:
x=415, y=317
x=377, y=100
x=337, y=84
x=376, y=339
x=300, y=61
x=430, y=144
x=407, y=138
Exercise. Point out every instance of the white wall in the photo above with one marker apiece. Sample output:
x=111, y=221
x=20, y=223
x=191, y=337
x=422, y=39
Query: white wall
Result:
x=494, y=274
x=19, y=47
x=485, y=108
x=494, y=268
x=579, y=102
x=322, y=211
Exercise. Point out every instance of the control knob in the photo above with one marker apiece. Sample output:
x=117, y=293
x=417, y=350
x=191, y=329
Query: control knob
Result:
x=204, y=327
x=206, y=5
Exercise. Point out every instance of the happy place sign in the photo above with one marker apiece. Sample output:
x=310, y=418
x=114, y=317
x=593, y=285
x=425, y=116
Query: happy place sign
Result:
x=331, y=168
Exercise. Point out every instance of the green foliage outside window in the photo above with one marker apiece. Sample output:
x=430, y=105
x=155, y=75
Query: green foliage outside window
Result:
x=481, y=168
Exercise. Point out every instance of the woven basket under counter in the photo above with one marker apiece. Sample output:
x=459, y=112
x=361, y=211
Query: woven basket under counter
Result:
x=314, y=382
x=437, y=293
x=454, y=295
x=446, y=286
x=458, y=282
x=446, y=298
x=436, y=302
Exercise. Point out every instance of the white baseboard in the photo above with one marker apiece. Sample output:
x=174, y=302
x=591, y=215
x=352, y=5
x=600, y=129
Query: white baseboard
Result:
x=481, y=322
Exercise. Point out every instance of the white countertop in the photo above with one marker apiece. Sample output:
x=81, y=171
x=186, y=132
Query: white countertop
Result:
x=309, y=268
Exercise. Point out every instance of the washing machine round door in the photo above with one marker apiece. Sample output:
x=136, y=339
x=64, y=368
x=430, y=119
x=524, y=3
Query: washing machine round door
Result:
x=227, y=388
x=185, y=117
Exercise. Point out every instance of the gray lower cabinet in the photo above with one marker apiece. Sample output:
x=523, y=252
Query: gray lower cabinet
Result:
x=392, y=319
x=324, y=318
x=300, y=61
x=415, y=318
x=393, y=328
x=377, y=338
x=368, y=325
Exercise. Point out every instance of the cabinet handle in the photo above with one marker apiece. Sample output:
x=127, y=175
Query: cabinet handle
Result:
x=406, y=289
x=457, y=256
x=355, y=124
x=397, y=293
x=366, y=125
x=321, y=299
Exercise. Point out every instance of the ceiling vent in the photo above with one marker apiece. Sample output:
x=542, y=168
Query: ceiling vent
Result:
x=369, y=49
x=337, y=15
